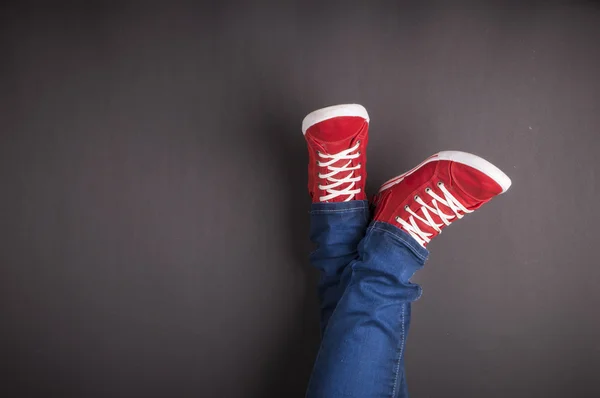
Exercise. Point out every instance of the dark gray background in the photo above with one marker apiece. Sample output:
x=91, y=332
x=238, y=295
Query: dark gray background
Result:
x=153, y=192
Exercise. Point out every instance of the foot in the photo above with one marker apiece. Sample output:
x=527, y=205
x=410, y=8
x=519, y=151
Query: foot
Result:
x=437, y=192
x=337, y=141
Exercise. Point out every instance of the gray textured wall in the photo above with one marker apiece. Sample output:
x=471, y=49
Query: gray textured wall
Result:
x=153, y=210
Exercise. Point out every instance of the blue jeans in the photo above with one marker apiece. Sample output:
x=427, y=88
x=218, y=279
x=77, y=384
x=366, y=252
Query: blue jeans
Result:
x=365, y=296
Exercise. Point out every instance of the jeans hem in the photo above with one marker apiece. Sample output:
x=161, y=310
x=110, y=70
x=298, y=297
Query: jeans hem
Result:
x=339, y=207
x=418, y=250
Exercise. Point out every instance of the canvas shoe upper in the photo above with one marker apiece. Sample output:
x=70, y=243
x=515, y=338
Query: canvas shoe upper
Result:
x=337, y=139
x=440, y=190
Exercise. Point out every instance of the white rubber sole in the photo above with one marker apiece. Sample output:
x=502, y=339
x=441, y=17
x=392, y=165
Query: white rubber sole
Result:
x=468, y=159
x=333, y=111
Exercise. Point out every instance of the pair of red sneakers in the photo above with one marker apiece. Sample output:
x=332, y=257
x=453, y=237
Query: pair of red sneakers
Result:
x=422, y=201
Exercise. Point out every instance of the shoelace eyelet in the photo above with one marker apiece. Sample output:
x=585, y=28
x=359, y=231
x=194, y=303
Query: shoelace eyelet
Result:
x=427, y=190
x=397, y=218
x=439, y=184
x=405, y=208
x=416, y=197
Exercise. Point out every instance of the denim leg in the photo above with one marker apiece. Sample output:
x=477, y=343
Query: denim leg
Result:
x=336, y=229
x=362, y=351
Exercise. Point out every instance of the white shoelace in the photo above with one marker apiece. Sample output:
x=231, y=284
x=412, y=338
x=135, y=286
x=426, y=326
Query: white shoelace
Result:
x=450, y=201
x=346, y=154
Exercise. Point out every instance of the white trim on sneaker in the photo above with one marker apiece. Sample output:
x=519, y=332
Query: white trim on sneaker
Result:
x=468, y=159
x=333, y=111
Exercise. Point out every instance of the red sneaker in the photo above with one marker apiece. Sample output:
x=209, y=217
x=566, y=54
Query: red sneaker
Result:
x=337, y=141
x=443, y=188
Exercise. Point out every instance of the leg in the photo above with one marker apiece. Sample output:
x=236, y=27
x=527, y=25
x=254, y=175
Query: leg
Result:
x=336, y=229
x=337, y=139
x=362, y=351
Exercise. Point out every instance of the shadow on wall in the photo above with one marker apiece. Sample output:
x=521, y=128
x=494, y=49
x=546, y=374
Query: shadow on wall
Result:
x=278, y=133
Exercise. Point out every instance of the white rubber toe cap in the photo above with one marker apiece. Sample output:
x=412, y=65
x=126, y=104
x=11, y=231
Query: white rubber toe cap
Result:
x=333, y=111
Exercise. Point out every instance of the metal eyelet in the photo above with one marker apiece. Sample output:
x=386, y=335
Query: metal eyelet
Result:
x=427, y=190
x=397, y=218
x=439, y=184
x=416, y=197
x=406, y=207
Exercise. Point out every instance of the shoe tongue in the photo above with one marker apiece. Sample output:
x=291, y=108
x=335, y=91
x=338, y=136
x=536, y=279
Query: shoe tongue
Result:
x=477, y=186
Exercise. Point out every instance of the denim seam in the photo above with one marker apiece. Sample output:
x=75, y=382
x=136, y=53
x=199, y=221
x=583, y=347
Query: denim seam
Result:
x=354, y=209
x=367, y=215
x=402, y=338
x=410, y=245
